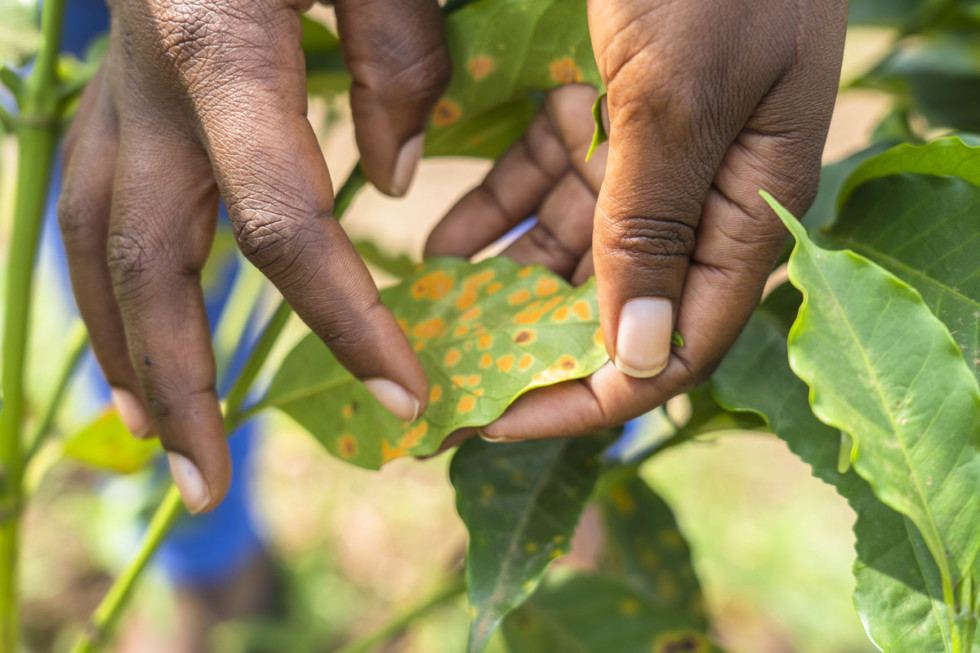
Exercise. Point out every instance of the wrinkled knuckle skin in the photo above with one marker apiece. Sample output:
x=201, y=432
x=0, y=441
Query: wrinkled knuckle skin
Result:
x=422, y=77
x=275, y=244
x=654, y=237
x=74, y=210
x=127, y=260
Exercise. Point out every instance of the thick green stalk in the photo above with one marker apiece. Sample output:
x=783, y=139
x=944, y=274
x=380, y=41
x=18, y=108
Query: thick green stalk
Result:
x=36, y=132
x=111, y=607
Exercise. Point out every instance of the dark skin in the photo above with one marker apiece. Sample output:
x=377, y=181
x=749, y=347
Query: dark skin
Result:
x=709, y=101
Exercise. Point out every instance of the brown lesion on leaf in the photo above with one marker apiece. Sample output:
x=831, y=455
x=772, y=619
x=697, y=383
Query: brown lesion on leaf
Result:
x=348, y=445
x=480, y=66
x=564, y=71
x=446, y=113
x=686, y=641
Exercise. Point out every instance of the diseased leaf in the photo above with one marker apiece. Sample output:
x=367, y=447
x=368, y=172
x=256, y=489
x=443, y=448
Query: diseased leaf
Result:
x=106, y=443
x=485, y=333
x=521, y=503
x=897, y=595
x=882, y=368
x=587, y=613
x=503, y=52
x=646, y=550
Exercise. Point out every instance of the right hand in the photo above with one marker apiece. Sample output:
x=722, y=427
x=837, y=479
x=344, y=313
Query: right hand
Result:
x=198, y=100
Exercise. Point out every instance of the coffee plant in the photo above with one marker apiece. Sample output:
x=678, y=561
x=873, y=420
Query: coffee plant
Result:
x=866, y=364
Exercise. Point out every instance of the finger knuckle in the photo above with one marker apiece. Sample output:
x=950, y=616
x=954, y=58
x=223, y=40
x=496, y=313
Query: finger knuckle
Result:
x=275, y=243
x=659, y=237
x=74, y=216
x=412, y=77
x=127, y=255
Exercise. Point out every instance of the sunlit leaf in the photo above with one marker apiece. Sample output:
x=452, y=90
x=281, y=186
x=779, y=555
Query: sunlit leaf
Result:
x=897, y=595
x=503, y=51
x=20, y=34
x=596, y=614
x=521, y=503
x=647, y=551
x=106, y=443
x=485, y=333
x=885, y=370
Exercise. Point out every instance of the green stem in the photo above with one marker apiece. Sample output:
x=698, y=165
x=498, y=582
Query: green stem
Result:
x=36, y=132
x=77, y=346
x=448, y=591
x=111, y=607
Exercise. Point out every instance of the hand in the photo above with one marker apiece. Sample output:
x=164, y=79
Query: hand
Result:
x=201, y=99
x=708, y=102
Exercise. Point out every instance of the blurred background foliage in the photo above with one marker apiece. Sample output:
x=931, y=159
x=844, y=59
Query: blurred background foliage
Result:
x=772, y=545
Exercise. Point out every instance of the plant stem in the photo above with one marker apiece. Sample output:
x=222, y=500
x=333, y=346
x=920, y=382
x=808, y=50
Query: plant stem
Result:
x=36, y=132
x=111, y=607
x=452, y=588
x=78, y=345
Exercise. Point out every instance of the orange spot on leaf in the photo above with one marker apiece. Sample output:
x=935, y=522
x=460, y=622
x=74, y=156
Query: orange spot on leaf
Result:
x=526, y=361
x=545, y=286
x=582, y=310
x=485, y=341
x=428, y=329
x=561, y=314
x=389, y=453
x=480, y=66
x=473, y=380
x=446, y=113
x=505, y=362
x=471, y=314
x=435, y=394
x=494, y=287
x=461, y=330
x=524, y=336
x=452, y=357
x=348, y=445
x=519, y=297
x=486, y=361
x=564, y=71
x=466, y=404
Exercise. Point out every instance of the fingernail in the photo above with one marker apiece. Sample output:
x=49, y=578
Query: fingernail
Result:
x=492, y=438
x=131, y=412
x=405, y=164
x=193, y=489
x=395, y=398
x=643, y=339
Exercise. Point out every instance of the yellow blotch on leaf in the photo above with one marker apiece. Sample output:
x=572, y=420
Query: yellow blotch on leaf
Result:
x=485, y=341
x=531, y=547
x=461, y=330
x=558, y=539
x=581, y=308
x=413, y=435
x=623, y=501
x=566, y=362
x=545, y=286
x=348, y=445
x=667, y=588
x=519, y=297
x=494, y=287
x=506, y=362
x=564, y=71
x=466, y=299
x=524, y=336
x=435, y=394
x=458, y=381
x=428, y=329
x=472, y=380
x=525, y=272
x=480, y=66
x=446, y=113
x=487, y=491
x=434, y=285
x=597, y=338
x=452, y=357
x=471, y=314
x=526, y=361
x=347, y=411
x=389, y=453
x=561, y=314
x=556, y=553
x=486, y=361
x=629, y=606
x=466, y=404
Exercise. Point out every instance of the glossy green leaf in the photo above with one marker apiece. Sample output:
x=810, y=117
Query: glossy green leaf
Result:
x=106, y=443
x=645, y=549
x=823, y=211
x=503, y=51
x=883, y=369
x=897, y=594
x=521, y=503
x=957, y=156
x=599, y=135
x=485, y=333
x=596, y=614
x=397, y=265
x=926, y=231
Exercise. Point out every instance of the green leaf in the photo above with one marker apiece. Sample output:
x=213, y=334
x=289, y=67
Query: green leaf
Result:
x=957, y=156
x=599, y=136
x=397, y=265
x=326, y=74
x=106, y=443
x=595, y=614
x=897, y=595
x=503, y=52
x=486, y=333
x=521, y=503
x=647, y=551
x=883, y=369
x=926, y=231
